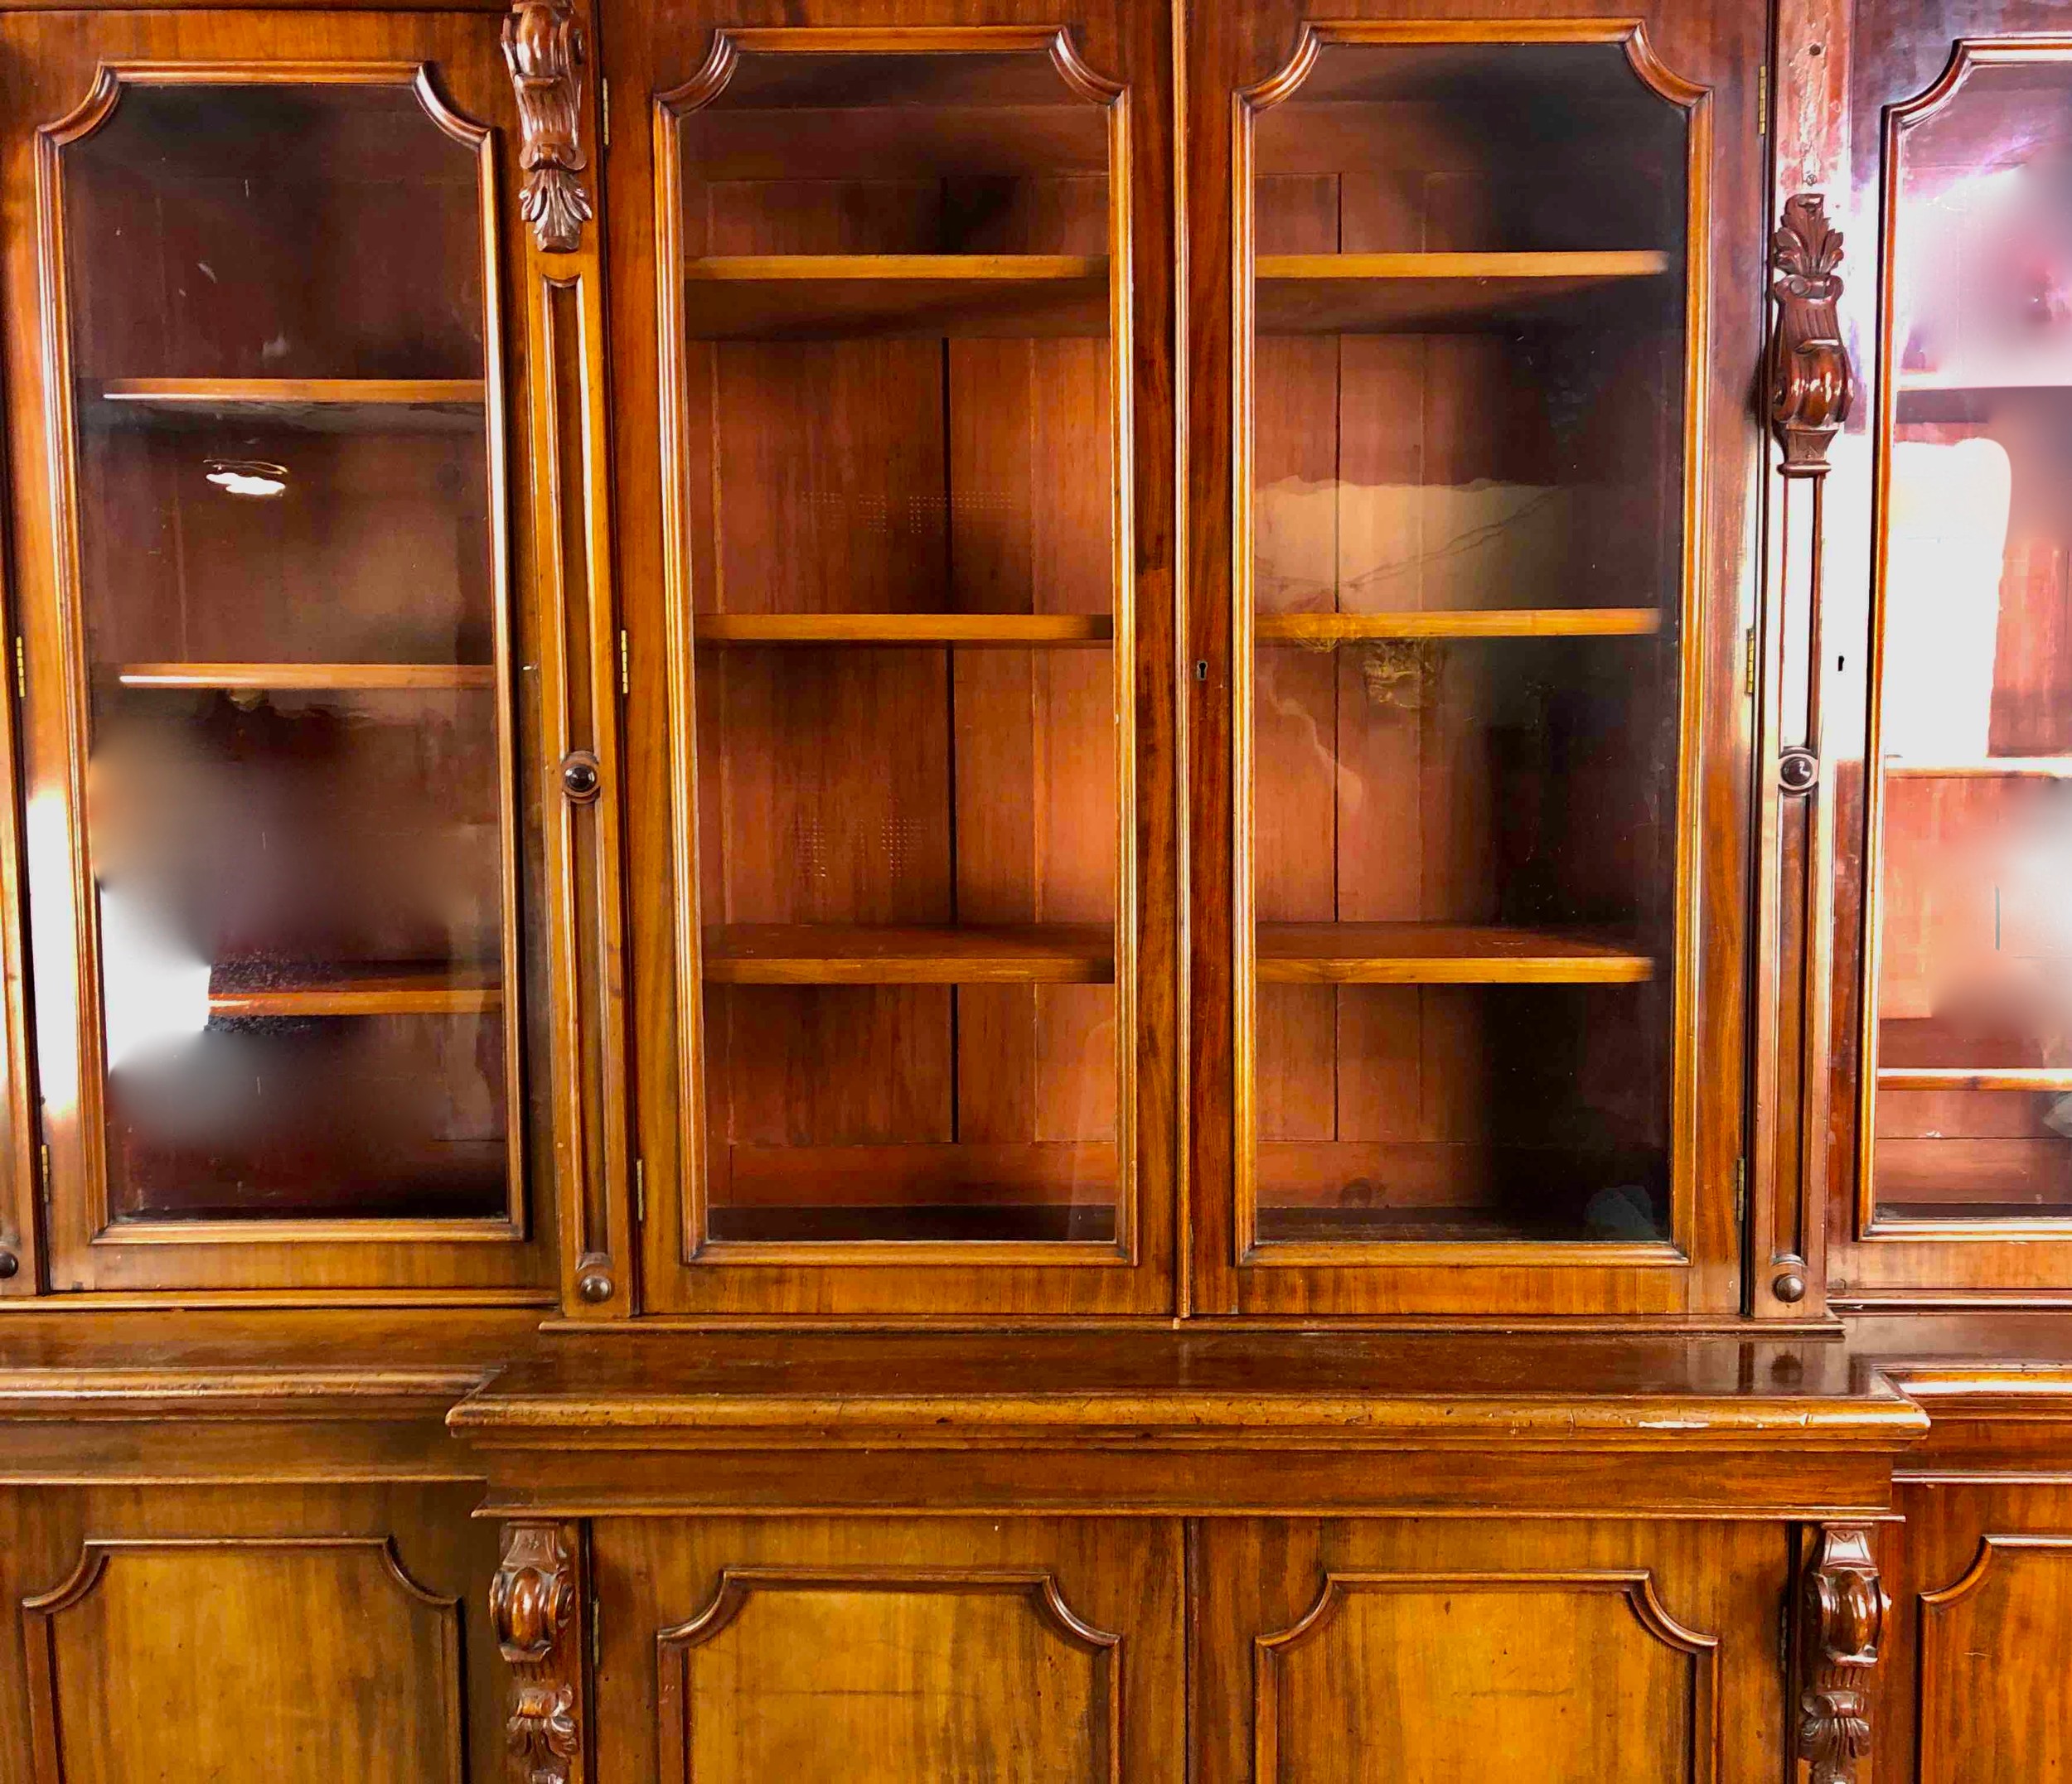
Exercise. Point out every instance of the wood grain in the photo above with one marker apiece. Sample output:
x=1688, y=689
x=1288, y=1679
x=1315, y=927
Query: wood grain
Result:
x=811, y=954
x=1015, y=629
x=287, y=677
x=1434, y=953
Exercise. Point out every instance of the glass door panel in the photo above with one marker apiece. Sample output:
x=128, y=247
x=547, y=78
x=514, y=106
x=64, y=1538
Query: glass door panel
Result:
x=900, y=358
x=296, y=867
x=1467, y=490
x=1969, y=1036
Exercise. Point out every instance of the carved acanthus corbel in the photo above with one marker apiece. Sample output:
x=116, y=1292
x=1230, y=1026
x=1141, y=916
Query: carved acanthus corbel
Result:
x=532, y=1603
x=1842, y=1611
x=544, y=48
x=1810, y=382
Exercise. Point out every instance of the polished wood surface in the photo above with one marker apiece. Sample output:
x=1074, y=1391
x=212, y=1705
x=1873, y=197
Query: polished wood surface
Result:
x=1351, y=1649
x=148, y=1631
x=888, y=1650
x=756, y=1525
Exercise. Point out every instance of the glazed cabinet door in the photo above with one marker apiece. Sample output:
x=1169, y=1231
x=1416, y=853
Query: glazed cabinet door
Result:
x=278, y=667
x=1426, y=1651
x=741, y=1650
x=1475, y=307
x=1953, y=1055
x=914, y=857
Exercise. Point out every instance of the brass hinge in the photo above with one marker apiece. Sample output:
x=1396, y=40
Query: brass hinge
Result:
x=640, y=1192
x=604, y=111
x=1762, y=102
x=626, y=666
x=20, y=669
x=1740, y=1190
x=1748, y=663
x=597, y=1639
x=43, y=1170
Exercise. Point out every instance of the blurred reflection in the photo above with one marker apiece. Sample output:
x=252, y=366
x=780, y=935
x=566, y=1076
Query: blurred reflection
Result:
x=268, y=842
x=287, y=828
x=1974, y=967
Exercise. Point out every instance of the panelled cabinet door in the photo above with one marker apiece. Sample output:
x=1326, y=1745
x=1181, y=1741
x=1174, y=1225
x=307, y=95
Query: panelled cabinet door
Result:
x=914, y=357
x=1423, y=1652
x=1953, y=953
x=739, y=1650
x=269, y=535
x=1471, y=750
x=1984, y=1594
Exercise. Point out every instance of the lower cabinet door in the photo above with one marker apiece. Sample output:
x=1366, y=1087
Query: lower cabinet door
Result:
x=765, y=1650
x=248, y=1635
x=1982, y=1594
x=1428, y=1651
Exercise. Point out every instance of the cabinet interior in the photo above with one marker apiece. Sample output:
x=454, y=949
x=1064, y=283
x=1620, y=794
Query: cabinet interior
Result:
x=902, y=523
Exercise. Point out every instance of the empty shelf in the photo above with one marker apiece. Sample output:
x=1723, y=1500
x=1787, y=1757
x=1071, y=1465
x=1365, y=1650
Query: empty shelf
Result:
x=327, y=405
x=1481, y=622
x=293, y=677
x=400, y=988
x=785, y=296
x=904, y=628
x=1440, y=954
x=1355, y=293
x=827, y=954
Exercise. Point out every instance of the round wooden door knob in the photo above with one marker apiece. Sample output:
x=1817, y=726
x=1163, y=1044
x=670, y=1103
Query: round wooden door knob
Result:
x=581, y=779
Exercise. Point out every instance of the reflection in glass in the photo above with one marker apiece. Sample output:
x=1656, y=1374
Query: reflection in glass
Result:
x=1971, y=1001
x=1469, y=294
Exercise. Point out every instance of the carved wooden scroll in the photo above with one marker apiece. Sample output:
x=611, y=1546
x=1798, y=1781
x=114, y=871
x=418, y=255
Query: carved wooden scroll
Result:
x=532, y=1606
x=544, y=48
x=1842, y=1609
x=1809, y=378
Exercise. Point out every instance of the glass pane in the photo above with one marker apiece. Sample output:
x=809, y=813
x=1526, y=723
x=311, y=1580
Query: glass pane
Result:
x=1974, y=993
x=1468, y=487
x=296, y=818
x=911, y=657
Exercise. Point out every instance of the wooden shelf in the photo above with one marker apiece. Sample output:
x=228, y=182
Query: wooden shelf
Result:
x=1413, y=293
x=328, y=405
x=1975, y=1078
x=1484, y=622
x=817, y=954
x=792, y=297
x=1085, y=1223
x=401, y=988
x=281, y=677
x=1440, y=954
x=1981, y=768
x=1007, y=629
